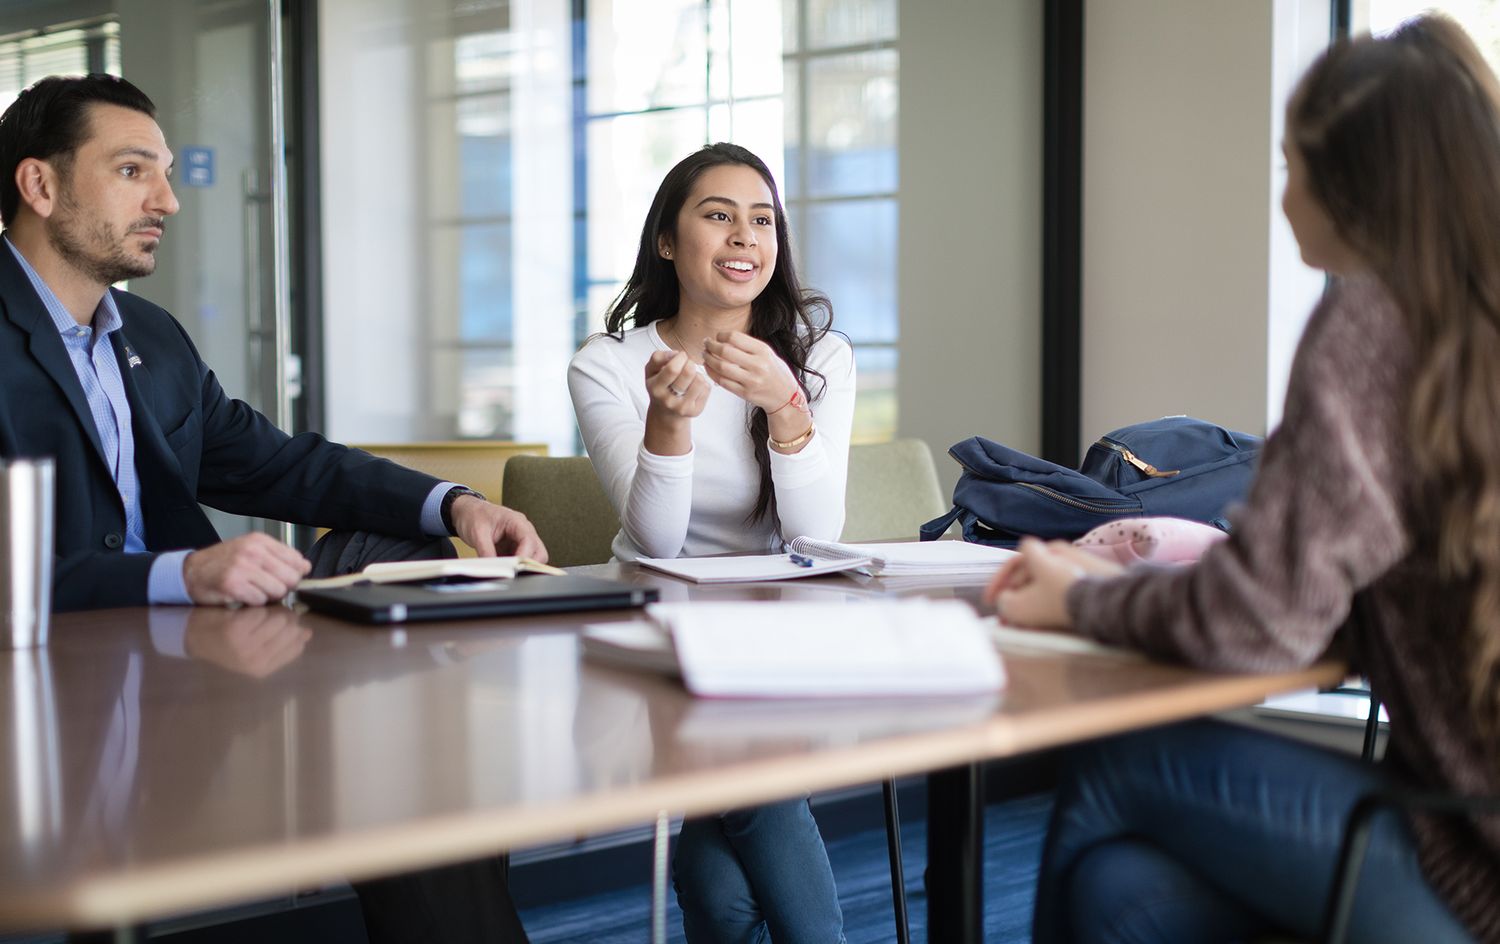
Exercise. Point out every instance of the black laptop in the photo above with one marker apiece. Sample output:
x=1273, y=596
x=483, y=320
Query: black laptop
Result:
x=465, y=598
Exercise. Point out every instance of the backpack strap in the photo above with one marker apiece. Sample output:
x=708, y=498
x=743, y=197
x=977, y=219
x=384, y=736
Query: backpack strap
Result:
x=935, y=528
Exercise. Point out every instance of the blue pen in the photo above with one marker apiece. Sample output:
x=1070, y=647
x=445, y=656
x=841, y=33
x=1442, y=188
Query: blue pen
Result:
x=800, y=560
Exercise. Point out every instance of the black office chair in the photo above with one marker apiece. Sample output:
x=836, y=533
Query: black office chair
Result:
x=1340, y=907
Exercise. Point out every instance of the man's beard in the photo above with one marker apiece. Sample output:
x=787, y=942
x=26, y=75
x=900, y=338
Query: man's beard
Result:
x=91, y=246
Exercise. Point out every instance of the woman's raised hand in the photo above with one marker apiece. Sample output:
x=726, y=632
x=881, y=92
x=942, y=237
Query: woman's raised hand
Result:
x=749, y=369
x=675, y=384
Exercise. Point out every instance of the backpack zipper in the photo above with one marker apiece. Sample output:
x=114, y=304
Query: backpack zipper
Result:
x=1137, y=461
x=1098, y=508
x=1054, y=494
x=1081, y=504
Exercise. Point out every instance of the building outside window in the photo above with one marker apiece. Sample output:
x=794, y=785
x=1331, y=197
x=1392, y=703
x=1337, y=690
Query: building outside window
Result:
x=523, y=142
x=76, y=49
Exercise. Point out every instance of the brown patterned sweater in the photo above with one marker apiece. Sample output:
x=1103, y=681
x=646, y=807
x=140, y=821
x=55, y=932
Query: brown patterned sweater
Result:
x=1323, y=520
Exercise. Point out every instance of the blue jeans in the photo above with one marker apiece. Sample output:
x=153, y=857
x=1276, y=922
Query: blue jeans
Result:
x=1212, y=832
x=748, y=873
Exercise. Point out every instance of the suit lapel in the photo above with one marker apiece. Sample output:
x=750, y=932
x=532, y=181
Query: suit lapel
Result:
x=168, y=505
x=27, y=312
x=150, y=441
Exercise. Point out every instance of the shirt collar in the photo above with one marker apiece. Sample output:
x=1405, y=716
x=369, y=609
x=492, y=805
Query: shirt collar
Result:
x=106, y=316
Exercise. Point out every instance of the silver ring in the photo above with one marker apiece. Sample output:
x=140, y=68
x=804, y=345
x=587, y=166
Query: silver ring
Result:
x=675, y=391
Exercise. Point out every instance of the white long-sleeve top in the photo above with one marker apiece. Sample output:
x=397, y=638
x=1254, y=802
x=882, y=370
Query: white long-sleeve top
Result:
x=699, y=503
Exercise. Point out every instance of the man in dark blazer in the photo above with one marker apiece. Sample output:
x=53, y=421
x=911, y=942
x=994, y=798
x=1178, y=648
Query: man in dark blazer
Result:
x=110, y=386
x=112, y=389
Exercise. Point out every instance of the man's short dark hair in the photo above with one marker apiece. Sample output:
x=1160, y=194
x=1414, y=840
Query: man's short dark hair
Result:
x=49, y=122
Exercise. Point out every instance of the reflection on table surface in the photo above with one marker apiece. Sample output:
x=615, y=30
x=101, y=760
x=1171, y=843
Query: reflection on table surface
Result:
x=162, y=744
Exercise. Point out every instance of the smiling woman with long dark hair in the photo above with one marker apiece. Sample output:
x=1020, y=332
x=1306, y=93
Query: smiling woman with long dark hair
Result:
x=717, y=412
x=717, y=409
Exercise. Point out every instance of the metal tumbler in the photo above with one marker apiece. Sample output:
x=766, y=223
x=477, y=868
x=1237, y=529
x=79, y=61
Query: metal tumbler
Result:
x=25, y=552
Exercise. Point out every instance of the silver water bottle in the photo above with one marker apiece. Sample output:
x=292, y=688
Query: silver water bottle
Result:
x=25, y=552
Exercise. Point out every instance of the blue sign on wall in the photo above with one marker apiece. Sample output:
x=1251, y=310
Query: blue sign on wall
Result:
x=197, y=167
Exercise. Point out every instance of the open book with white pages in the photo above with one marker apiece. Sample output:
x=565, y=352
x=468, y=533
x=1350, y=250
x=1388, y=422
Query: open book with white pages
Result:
x=477, y=568
x=950, y=558
x=794, y=650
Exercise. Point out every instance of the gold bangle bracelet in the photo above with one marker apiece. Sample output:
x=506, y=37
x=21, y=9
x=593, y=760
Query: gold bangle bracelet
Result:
x=794, y=443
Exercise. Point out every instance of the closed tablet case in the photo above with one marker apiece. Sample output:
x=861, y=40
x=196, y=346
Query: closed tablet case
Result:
x=470, y=599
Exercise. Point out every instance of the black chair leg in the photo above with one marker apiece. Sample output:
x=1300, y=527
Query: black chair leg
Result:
x=898, y=875
x=1340, y=908
x=1372, y=729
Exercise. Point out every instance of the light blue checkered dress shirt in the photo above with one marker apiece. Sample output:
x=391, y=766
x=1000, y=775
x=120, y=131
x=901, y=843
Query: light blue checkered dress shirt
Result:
x=93, y=357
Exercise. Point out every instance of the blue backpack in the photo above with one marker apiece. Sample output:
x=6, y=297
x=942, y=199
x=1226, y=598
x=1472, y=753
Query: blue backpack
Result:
x=1176, y=466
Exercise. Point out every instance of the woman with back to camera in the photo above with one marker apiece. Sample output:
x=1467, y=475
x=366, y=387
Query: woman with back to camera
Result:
x=1383, y=481
x=717, y=413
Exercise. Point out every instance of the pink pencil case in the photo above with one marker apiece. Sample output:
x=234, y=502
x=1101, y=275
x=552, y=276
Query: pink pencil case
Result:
x=1158, y=540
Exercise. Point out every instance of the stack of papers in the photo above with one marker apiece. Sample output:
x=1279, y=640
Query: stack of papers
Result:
x=910, y=558
x=709, y=721
x=782, y=650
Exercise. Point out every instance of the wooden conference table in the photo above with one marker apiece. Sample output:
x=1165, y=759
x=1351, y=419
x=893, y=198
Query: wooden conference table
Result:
x=162, y=760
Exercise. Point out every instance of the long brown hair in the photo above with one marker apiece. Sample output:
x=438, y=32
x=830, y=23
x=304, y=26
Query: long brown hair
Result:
x=789, y=318
x=1401, y=139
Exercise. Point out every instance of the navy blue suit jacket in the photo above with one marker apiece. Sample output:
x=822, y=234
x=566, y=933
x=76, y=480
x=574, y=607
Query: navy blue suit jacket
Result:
x=193, y=443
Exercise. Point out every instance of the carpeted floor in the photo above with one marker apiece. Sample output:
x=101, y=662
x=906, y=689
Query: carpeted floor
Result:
x=1013, y=840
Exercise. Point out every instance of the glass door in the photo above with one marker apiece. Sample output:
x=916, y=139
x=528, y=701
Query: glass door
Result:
x=211, y=67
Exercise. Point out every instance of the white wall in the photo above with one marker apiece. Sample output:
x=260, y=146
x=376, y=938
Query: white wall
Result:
x=1192, y=293
x=372, y=262
x=971, y=223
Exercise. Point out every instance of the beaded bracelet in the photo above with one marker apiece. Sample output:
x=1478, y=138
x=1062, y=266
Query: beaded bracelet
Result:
x=790, y=401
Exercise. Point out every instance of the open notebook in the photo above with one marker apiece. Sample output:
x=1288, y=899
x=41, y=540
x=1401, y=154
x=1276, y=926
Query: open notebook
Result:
x=780, y=650
x=478, y=568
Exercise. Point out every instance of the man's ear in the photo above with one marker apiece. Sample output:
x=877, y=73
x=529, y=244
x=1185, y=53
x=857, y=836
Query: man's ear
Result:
x=37, y=181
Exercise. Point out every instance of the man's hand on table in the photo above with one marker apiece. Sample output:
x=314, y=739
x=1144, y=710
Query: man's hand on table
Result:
x=253, y=569
x=492, y=529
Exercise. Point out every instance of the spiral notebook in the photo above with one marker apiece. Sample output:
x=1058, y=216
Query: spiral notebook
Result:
x=909, y=558
x=748, y=568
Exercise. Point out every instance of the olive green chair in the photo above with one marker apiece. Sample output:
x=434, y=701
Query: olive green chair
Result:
x=477, y=463
x=893, y=490
x=564, y=500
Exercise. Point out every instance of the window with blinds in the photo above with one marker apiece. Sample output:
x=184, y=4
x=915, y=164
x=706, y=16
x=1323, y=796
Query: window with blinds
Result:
x=76, y=50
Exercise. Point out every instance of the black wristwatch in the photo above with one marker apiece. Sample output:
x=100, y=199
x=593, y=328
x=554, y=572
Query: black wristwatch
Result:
x=445, y=510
